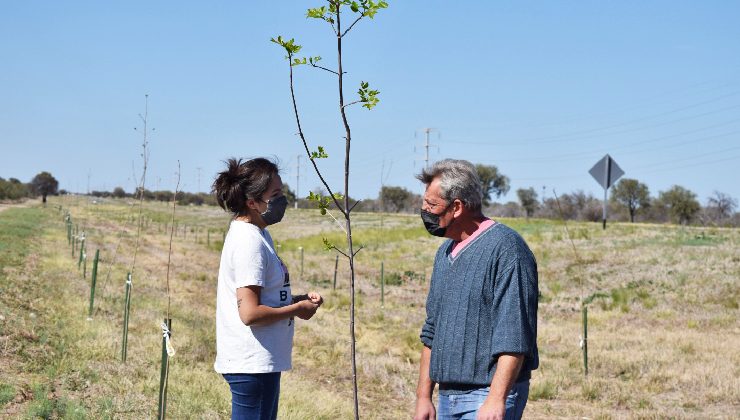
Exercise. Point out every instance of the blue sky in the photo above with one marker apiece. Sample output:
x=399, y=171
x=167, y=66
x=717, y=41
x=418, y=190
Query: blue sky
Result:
x=540, y=89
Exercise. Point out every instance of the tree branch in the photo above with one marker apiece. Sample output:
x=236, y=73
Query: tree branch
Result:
x=358, y=250
x=353, y=206
x=350, y=26
x=324, y=68
x=305, y=143
x=351, y=103
x=339, y=251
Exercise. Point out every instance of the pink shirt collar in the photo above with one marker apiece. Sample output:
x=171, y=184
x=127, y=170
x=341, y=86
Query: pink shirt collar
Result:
x=459, y=246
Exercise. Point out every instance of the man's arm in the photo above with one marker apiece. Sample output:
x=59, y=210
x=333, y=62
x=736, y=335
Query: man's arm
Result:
x=424, y=390
x=507, y=370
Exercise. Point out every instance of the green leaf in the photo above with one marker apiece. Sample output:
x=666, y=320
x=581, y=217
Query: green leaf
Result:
x=327, y=245
x=368, y=97
x=316, y=12
x=320, y=154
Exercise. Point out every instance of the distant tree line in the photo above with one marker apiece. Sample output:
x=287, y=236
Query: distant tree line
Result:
x=629, y=200
x=43, y=185
x=183, y=198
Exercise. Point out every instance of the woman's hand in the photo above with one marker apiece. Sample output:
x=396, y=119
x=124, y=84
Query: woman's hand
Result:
x=315, y=298
x=305, y=309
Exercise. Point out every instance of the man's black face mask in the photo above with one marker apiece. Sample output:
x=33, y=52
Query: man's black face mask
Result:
x=431, y=222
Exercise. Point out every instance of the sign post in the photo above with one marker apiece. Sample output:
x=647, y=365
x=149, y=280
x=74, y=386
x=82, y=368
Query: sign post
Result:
x=606, y=172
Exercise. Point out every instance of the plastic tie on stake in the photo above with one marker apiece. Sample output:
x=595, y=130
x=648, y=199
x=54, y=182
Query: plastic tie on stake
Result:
x=580, y=343
x=166, y=335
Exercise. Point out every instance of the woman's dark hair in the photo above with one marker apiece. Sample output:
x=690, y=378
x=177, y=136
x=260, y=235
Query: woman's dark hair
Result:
x=241, y=181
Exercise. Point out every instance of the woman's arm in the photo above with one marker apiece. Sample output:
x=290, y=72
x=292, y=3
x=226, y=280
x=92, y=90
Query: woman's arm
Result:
x=253, y=313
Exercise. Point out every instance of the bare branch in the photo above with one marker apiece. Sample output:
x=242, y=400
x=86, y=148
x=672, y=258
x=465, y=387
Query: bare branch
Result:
x=358, y=250
x=339, y=251
x=172, y=232
x=350, y=26
x=305, y=143
x=324, y=68
x=351, y=103
x=353, y=205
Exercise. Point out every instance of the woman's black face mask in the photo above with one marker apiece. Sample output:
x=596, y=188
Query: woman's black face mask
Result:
x=275, y=210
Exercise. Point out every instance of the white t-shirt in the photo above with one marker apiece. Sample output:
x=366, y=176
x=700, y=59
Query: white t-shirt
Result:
x=248, y=259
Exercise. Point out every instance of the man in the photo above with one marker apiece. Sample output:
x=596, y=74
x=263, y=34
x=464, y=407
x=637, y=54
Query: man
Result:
x=480, y=333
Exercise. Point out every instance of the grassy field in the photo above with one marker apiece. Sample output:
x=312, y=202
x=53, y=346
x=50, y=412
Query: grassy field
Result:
x=664, y=335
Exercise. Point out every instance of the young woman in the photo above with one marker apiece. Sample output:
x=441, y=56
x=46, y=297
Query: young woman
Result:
x=254, y=305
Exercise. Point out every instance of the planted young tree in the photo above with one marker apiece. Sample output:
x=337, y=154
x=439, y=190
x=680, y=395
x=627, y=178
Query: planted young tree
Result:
x=632, y=194
x=332, y=14
x=492, y=181
x=141, y=189
x=528, y=199
x=44, y=184
x=167, y=349
x=681, y=204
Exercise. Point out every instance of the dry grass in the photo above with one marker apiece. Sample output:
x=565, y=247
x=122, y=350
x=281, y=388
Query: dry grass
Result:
x=663, y=341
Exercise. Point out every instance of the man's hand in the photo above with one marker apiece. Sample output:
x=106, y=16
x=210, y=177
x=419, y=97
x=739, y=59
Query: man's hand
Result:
x=491, y=410
x=425, y=409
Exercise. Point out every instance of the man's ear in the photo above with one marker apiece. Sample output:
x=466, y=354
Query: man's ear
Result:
x=457, y=208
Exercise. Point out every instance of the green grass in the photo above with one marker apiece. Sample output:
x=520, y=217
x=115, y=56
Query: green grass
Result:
x=17, y=227
x=370, y=238
x=7, y=393
x=543, y=390
x=659, y=291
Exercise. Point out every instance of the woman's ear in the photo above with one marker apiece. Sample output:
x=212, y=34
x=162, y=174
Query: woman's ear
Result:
x=251, y=204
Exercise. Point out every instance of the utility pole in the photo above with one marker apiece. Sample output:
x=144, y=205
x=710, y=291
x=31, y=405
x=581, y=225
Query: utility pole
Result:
x=383, y=177
x=426, y=149
x=427, y=144
x=88, y=181
x=297, y=180
x=198, y=169
x=543, y=194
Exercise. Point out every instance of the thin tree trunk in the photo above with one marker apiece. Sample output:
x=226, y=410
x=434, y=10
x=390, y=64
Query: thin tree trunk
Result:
x=350, y=253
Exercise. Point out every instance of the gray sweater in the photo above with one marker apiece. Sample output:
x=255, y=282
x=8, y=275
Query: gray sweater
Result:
x=481, y=303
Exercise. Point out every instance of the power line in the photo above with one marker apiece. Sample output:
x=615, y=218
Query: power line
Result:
x=564, y=137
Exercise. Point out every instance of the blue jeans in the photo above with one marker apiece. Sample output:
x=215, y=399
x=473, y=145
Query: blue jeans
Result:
x=254, y=396
x=465, y=406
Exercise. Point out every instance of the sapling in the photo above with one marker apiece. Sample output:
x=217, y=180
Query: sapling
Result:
x=331, y=14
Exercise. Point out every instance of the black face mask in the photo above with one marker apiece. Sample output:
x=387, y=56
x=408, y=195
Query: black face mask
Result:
x=431, y=223
x=275, y=210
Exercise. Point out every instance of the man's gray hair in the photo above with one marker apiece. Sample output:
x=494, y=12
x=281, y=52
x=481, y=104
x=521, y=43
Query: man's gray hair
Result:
x=458, y=179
